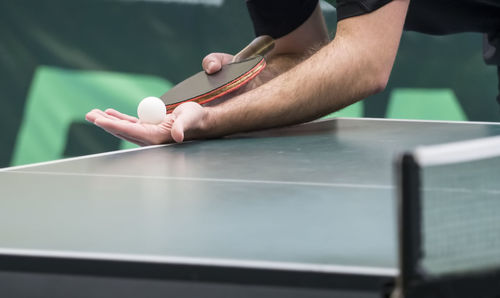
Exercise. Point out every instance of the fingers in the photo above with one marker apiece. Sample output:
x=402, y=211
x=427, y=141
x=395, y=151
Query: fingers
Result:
x=121, y=116
x=122, y=128
x=92, y=115
x=130, y=128
x=213, y=62
x=110, y=114
x=96, y=113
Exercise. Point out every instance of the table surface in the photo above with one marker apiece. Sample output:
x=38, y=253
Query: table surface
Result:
x=314, y=197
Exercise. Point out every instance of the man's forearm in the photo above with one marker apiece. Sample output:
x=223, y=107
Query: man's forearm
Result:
x=353, y=66
x=298, y=95
x=277, y=65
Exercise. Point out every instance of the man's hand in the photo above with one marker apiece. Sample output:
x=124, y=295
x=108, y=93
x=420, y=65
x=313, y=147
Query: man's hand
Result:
x=190, y=120
x=186, y=119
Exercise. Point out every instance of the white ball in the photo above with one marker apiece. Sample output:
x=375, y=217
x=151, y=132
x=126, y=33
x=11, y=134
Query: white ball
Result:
x=151, y=110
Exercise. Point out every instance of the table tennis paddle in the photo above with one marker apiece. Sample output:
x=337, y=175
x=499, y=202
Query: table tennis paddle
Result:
x=203, y=88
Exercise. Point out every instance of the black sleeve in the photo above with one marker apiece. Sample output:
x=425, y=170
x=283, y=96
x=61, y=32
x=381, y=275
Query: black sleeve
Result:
x=277, y=18
x=351, y=8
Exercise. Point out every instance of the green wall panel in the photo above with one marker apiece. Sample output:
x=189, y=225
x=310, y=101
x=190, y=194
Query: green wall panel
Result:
x=60, y=97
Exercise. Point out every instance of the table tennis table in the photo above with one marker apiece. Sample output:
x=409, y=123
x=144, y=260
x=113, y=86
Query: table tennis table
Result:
x=302, y=211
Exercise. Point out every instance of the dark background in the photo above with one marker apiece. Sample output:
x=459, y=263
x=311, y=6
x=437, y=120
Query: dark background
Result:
x=168, y=39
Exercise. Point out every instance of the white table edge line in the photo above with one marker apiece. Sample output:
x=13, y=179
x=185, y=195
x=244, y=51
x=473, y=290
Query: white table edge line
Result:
x=50, y=162
x=201, y=179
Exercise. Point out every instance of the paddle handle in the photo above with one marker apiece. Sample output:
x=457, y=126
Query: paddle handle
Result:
x=261, y=45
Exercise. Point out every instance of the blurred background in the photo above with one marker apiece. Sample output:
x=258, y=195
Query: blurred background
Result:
x=59, y=59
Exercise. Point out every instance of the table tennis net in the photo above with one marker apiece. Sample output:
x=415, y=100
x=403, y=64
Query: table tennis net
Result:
x=459, y=207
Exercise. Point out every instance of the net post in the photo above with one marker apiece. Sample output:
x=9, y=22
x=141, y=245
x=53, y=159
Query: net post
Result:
x=409, y=219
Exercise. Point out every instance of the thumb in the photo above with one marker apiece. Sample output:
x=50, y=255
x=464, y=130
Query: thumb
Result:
x=188, y=117
x=178, y=131
x=213, y=62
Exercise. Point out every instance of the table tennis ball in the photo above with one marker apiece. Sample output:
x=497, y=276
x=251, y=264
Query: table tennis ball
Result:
x=151, y=110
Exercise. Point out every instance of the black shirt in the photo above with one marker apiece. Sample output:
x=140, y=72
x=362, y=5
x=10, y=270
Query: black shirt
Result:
x=279, y=17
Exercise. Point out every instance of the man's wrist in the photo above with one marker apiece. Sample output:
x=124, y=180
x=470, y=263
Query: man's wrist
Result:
x=207, y=127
